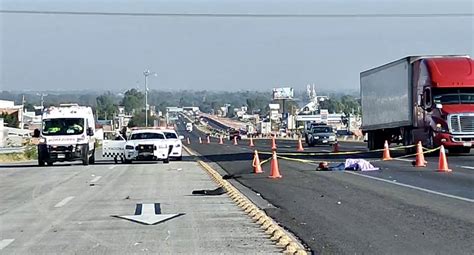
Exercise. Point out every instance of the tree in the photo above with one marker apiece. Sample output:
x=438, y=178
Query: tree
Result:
x=133, y=100
x=138, y=120
x=106, y=106
x=10, y=119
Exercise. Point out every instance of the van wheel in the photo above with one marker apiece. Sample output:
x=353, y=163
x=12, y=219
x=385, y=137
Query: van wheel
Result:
x=92, y=158
x=179, y=158
x=166, y=161
x=85, y=158
x=50, y=163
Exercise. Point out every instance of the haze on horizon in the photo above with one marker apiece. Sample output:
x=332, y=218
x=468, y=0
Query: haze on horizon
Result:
x=104, y=52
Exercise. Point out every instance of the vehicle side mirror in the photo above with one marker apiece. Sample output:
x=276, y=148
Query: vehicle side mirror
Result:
x=181, y=137
x=89, y=131
x=36, y=133
x=439, y=106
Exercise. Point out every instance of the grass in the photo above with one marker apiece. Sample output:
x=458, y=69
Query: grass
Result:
x=30, y=153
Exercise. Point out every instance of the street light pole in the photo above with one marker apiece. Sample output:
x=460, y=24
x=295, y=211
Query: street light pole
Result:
x=146, y=73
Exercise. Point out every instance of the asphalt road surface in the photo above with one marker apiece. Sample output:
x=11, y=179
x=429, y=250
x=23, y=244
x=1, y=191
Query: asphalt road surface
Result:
x=69, y=209
x=399, y=209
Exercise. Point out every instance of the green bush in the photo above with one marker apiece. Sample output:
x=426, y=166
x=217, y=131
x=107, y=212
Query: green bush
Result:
x=31, y=152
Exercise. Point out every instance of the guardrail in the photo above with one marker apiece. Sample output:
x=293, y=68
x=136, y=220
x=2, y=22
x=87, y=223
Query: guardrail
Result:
x=7, y=150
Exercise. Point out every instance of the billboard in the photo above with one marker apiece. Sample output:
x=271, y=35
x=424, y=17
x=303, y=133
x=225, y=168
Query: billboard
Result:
x=283, y=93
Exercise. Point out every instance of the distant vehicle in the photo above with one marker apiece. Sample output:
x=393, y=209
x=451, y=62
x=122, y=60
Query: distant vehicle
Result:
x=309, y=127
x=343, y=132
x=234, y=133
x=175, y=143
x=420, y=98
x=321, y=135
x=189, y=127
x=67, y=134
x=147, y=144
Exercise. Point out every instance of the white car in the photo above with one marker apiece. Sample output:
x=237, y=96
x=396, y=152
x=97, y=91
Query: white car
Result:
x=147, y=144
x=174, y=142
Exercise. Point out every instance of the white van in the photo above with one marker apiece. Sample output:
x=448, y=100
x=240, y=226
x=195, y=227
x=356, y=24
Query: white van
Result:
x=67, y=134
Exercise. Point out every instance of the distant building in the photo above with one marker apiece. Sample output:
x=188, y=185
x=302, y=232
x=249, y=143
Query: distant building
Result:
x=9, y=107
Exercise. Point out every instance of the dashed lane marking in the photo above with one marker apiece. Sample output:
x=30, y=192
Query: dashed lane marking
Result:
x=413, y=187
x=96, y=179
x=63, y=202
x=468, y=167
x=5, y=242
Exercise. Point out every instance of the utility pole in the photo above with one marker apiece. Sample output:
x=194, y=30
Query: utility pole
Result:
x=42, y=95
x=147, y=73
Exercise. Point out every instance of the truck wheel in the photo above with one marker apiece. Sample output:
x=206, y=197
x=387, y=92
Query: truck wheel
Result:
x=50, y=163
x=179, y=158
x=166, y=161
x=92, y=158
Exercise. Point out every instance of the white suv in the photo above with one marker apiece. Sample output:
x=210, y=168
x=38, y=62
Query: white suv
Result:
x=174, y=142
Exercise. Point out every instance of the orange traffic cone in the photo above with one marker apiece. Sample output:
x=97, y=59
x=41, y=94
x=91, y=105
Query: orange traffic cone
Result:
x=189, y=141
x=420, y=156
x=235, y=140
x=335, y=147
x=274, y=146
x=300, y=145
x=251, y=142
x=208, y=139
x=200, y=140
x=275, y=171
x=221, y=141
x=257, y=168
x=443, y=162
x=386, y=152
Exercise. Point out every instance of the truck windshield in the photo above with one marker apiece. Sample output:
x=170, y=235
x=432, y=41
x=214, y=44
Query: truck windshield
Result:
x=145, y=136
x=453, y=96
x=322, y=130
x=63, y=126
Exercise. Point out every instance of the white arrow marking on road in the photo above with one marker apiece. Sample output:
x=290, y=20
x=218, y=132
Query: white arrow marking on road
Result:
x=149, y=214
x=63, y=202
x=5, y=242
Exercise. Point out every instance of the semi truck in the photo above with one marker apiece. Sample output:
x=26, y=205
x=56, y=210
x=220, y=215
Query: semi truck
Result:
x=67, y=134
x=420, y=98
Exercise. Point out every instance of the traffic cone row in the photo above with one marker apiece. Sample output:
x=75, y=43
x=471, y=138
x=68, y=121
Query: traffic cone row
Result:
x=420, y=157
x=443, y=162
x=300, y=145
x=274, y=146
x=257, y=168
x=386, y=151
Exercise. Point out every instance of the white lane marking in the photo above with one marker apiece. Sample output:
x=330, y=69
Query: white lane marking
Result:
x=5, y=242
x=97, y=178
x=468, y=167
x=63, y=202
x=413, y=187
x=112, y=167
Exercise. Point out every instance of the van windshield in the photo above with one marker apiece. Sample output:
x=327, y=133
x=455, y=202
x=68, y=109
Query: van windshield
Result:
x=63, y=126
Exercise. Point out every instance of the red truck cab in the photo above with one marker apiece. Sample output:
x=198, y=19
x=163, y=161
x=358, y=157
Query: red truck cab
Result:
x=448, y=99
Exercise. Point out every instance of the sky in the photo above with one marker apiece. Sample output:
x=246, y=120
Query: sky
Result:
x=110, y=52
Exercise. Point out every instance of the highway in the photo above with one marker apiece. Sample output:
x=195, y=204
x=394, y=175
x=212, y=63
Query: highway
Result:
x=73, y=209
x=399, y=209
